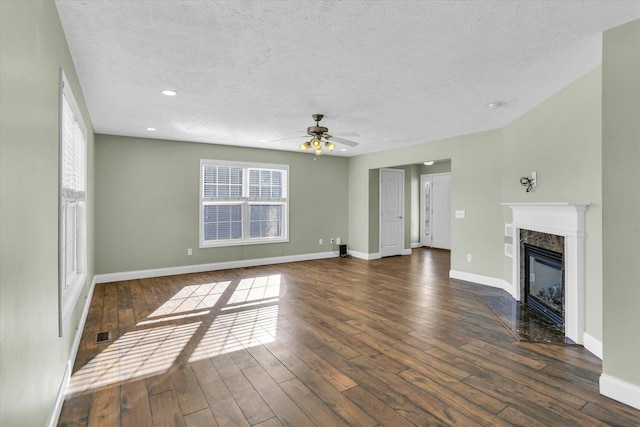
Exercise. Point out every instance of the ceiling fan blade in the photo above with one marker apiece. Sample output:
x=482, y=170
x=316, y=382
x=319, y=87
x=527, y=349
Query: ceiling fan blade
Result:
x=344, y=141
x=345, y=134
x=284, y=139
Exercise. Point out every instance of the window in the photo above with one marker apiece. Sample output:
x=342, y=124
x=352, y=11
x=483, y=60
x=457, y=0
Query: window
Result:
x=73, y=213
x=243, y=203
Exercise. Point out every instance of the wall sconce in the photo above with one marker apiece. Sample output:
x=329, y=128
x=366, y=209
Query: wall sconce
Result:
x=530, y=183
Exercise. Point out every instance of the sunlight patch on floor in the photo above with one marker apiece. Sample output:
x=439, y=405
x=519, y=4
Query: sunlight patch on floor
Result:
x=236, y=331
x=249, y=317
x=192, y=297
x=256, y=288
x=134, y=355
x=172, y=318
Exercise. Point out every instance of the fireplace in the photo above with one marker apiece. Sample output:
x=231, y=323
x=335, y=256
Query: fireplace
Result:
x=562, y=219
x=544, y=282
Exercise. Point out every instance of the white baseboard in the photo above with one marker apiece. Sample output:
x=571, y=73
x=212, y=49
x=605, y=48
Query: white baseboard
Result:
x=198, y=268
x=416, y=245
x=406, y=251
x=64, y=385
x=592, y=344
x=620, y=390
x=362, y=255
x=57, y=409
x=483, y=280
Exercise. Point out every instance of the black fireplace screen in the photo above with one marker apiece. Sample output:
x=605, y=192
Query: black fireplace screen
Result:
x=544, y=282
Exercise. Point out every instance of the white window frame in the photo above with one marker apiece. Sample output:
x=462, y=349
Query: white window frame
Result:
x=71, y=283
x=245, y=201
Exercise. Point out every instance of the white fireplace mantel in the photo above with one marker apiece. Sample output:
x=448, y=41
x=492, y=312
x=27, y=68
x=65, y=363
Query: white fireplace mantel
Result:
x=563, y=219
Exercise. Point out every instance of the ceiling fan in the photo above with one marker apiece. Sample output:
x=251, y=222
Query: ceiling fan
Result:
x=319, y=136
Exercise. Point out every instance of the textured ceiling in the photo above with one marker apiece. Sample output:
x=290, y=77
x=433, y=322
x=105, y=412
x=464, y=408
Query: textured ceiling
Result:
x=392, y=73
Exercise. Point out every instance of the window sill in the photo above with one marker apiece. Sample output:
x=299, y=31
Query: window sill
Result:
x=205, y=245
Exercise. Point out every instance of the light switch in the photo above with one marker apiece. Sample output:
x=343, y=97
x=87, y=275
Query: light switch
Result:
x=460, y=214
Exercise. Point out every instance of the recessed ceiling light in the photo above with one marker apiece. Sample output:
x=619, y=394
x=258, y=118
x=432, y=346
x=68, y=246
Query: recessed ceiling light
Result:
x=343, y=149
x=429, y=163
x=152, y=129
x=169, y=92
x=495, y=105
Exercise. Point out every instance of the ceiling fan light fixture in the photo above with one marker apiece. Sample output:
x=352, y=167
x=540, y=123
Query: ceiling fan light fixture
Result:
x=320, y=136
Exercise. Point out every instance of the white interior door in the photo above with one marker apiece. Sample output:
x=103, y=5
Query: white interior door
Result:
x=441, y=218
x=391, y=212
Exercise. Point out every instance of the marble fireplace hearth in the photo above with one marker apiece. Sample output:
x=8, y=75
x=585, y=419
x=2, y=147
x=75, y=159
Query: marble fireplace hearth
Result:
x=560, y=219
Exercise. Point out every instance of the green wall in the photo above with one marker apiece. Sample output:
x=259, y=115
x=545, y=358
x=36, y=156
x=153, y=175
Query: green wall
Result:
x=411, y=207
x=621, y=200
x=411, y=204
x=143, y=207
x=440, y=166
x=561, y=140
x=147, y=203
x=33, y=357
x=476, y=161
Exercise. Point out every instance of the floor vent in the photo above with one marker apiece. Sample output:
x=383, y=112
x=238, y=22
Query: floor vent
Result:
x=103, y=337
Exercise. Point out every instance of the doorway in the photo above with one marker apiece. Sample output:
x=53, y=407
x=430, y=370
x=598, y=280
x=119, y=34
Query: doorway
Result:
x=391, y=212
x=435, y=210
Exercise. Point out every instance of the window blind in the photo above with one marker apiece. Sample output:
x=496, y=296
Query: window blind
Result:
x=72, y=263
x=243, y=203
x=222, y=182
x=265, y=183
x=73, y=155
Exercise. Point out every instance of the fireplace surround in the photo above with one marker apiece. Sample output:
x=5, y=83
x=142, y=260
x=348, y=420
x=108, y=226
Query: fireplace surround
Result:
x=561, y=219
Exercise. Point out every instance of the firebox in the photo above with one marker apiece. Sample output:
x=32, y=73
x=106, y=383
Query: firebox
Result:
x=544, y=282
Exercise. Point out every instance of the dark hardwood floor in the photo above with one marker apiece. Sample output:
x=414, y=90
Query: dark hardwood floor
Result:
x=333, y=342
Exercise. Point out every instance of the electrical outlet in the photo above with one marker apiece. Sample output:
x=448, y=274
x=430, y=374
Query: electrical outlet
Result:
x=320, y=241
x=189, y=252
x=333, y=240
x=337, y=241
x=468, y=257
